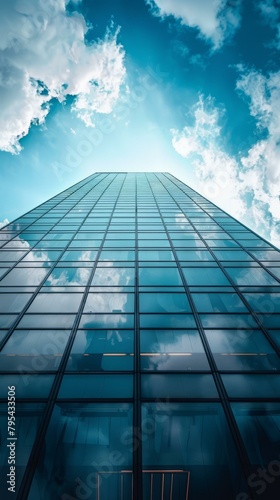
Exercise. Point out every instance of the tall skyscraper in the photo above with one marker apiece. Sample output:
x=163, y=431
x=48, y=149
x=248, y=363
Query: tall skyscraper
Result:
x=140, y=339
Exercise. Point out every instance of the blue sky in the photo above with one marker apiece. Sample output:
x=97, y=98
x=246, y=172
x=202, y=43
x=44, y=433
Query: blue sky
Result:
x=188, y=87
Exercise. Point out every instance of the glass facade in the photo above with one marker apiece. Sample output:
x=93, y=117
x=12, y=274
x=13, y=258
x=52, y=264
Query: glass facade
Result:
x=140, y=327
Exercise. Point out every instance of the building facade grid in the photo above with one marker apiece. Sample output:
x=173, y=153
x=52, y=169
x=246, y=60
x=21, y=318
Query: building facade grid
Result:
x=139, y=324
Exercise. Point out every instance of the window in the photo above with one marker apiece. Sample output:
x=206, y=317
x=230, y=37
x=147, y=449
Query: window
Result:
x=251, y=276
x=156, y=255
x=242, y=350
x=167, y=321
x=251, y=386
x=112, y=321
x=24, y=277
x=102, y=350
x=71, y=276
x=13, y=256
x=117, y=255
x=13, y=302
x=79, y=255
x=172, y=350
x=34, y=350
x=148, y=276
x=194, y=255
x=259, y=425
x=164, y=302
x=173, y=386
x=27, y=386
x=266, y=303
x=218, y=302
x=41, y=256
x=56, y=303
x=205, y=276
x=266, y=255
x=109, y=302
x=232, y=255
x=85, y=244
x=113, y=276
x=96, y=386
x=228, y=321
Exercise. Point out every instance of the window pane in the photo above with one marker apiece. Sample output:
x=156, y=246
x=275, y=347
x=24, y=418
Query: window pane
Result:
x=113, y=276
x=148, y=276
x=117, y=255
x=164, y=302
x=101, y=350
x=96, y=386
x=259, y=425
x=172, y=350
x=107, y=321
x=79, y=255
x=26, y=277
x=12, y=256
x=251, y=276
x=27, y=386
x=228, y=321
x=47, y=320
x=242, y=350
x=205, y=276
x=109, y=302
x=178, y=386
x=156, y=255
x=34, y=350
x=217, y=302
x=13, y=302
x=70, y=276
x=266, y=255
x=167, y=321
x=42, y=256
x=194, y=255
x=232, y=255
x=55, y=302
x=252, y=386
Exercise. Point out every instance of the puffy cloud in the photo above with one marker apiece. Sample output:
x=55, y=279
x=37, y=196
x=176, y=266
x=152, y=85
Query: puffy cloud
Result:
x=248, y=186
x=216, y=19
x=217, y=172
x=262, y=168
x=4, y=223
x=44, y=55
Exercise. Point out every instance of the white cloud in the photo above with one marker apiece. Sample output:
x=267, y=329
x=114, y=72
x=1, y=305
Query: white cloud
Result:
x=217, y=172
x=246, y=187
x=270, y=10
x=216, y=20
x=262, y=164
x=44, y=55
x=4, y=223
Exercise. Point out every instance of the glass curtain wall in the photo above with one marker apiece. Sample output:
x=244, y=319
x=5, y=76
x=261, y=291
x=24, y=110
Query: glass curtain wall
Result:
x=140, y=327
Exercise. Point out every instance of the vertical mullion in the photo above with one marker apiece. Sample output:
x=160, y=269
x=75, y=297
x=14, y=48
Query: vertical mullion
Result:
x=137, y=435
